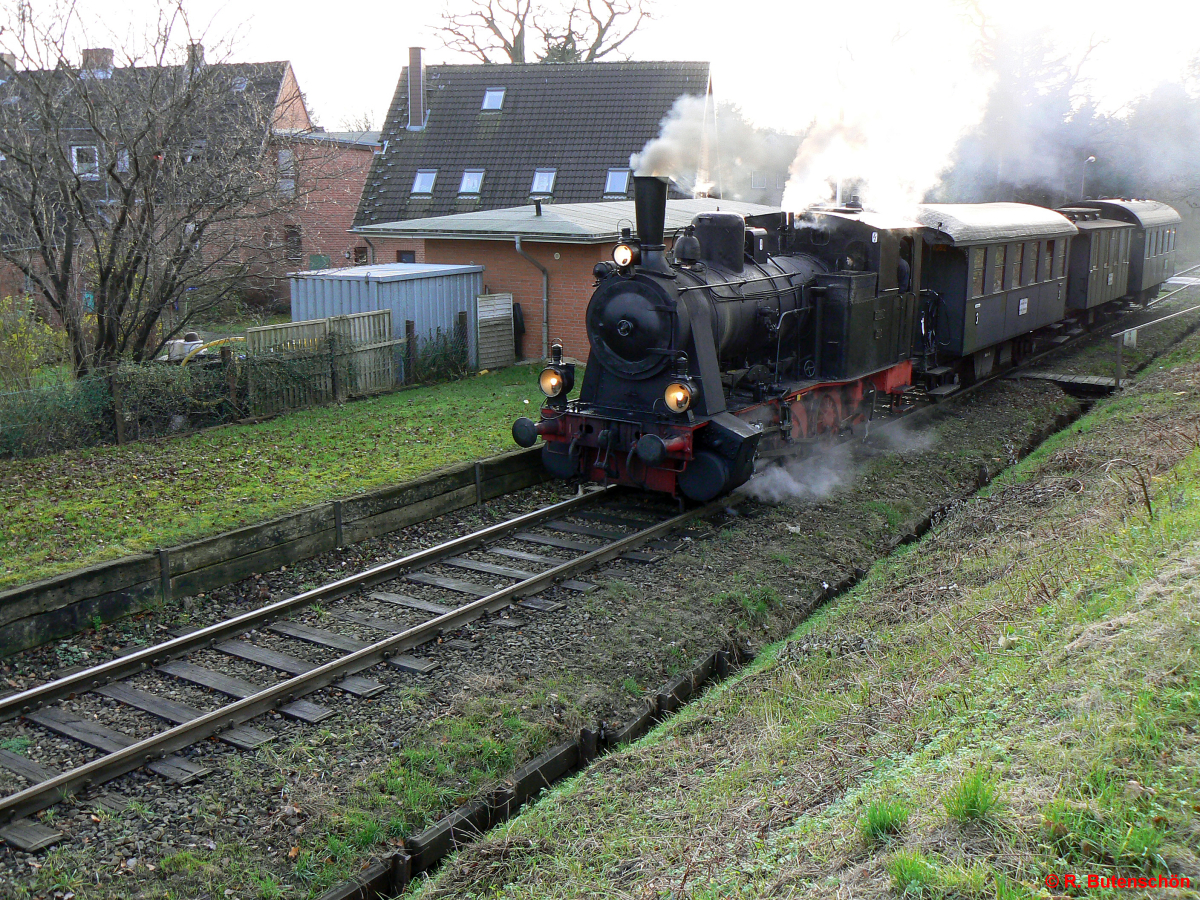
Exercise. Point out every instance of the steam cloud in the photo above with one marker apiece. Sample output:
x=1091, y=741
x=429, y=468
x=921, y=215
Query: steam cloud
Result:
x=812, y=478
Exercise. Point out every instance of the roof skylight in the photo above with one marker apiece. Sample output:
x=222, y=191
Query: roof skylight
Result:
x=493, y=99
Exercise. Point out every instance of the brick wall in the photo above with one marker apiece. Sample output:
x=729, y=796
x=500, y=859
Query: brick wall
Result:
x=506, y=272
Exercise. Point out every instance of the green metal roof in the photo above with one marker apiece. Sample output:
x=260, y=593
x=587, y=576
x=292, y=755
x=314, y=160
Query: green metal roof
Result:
x=569, y=223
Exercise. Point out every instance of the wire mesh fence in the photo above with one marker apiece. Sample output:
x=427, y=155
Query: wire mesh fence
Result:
x=276, y=368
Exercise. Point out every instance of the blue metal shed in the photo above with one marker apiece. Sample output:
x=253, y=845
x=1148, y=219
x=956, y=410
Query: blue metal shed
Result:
x=429, y=295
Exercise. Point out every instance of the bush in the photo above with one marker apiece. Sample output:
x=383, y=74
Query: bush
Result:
x=27, y=344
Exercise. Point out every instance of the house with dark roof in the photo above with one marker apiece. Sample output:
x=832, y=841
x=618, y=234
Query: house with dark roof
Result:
x=463, y=138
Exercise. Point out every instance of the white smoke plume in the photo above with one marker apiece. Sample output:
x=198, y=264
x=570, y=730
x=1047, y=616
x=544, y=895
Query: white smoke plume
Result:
x=798, y=480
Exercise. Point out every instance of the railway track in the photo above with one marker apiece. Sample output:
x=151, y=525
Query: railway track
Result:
x=581, y=533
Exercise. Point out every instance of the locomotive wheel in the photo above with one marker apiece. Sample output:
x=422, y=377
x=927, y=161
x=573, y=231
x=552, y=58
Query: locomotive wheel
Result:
x=826, y=423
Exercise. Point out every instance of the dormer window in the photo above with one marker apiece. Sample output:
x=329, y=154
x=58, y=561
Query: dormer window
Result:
x=543, y=182
x=493, y=99
x=472, y=181
x=240, y=84
x=423, y=181
x=617, y=182
x=85, y=162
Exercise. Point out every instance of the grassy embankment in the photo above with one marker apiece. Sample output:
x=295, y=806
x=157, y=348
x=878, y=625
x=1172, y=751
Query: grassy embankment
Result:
x=87, y=506
x=1014, y=698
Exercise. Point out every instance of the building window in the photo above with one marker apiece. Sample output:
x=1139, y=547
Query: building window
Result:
x=493, y=99
x=293, y=243
x=617, y=181
x=85, y=162
x=543, y=181
x=123, y=160
x=758, y=181
x=406, y=256
x=472, y=181
x=287, y=173
x=360, y=256
x=423, y=181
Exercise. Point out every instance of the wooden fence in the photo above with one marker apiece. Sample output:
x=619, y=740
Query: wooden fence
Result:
x=301, y=364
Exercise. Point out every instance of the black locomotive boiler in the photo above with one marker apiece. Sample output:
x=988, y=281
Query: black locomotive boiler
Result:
x=760, y=333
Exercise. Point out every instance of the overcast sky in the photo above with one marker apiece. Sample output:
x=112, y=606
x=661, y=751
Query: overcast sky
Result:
x=784, y=62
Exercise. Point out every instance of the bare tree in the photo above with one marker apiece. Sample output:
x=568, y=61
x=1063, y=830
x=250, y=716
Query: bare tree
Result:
x=585, y=31
x=490, y=30
x=133, y=190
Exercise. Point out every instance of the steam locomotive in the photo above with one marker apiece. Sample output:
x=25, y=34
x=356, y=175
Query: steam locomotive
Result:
x=761, y=334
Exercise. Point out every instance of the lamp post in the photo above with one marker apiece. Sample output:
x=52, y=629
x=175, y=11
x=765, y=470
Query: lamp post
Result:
x=1083, y=179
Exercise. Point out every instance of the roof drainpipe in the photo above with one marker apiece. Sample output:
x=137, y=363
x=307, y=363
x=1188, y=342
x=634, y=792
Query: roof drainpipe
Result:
x=372, y=246
x=545, y=297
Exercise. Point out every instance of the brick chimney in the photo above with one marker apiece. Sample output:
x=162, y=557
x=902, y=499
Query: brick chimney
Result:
x=195, y=59
x=416, y=90
x=97, y=63
x=8, y=62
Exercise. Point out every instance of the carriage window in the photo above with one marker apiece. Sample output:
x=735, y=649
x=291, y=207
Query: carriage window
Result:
x=1029, y=263
x=1047, y=258
x=1014, y=279
x=977, y=270
x=998, y=254
x=1060, y=255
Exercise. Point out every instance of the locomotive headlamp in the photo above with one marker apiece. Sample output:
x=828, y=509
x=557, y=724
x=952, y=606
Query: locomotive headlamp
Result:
x=551, y=382
x=678, y=395
x=625, y=255
x=558, y=378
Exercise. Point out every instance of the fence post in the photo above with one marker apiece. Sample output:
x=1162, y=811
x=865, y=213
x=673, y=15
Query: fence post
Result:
x=410, y=351
x=460, y=338
x=118, y=407
x=230, y=373
x=1120, y=343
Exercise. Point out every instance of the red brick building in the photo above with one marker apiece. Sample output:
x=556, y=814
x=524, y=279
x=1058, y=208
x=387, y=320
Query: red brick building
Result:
x=542, y=255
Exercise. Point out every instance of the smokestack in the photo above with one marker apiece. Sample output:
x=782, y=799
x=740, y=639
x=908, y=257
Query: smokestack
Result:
x=650, y=210
x=97, y=63
x=416, y=90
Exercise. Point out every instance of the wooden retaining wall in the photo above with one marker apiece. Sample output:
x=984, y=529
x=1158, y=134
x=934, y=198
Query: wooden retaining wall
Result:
x=57, y=607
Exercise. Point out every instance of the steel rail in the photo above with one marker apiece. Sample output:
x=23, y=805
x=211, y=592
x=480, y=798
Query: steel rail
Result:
x=36, y=697
x=105, y=768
